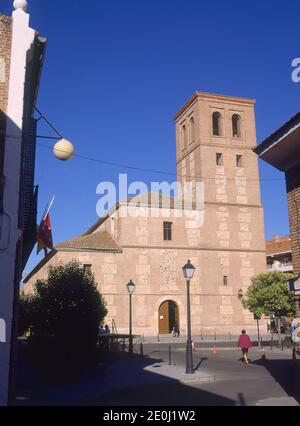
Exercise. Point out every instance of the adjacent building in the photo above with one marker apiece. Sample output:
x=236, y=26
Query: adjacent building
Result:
x=21, y=59
x=282, y=150
x=149, y=241
x=279, y=254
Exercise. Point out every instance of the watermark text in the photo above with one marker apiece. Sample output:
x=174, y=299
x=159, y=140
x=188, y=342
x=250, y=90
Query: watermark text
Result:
x=296, y=71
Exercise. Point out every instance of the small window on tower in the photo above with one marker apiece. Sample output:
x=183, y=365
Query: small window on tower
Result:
x=236, y=126
x=239, y=161
x=184, y=137
x=168, y=231
x=192, y=129
x=216, y=124
x=87, y=268
x=219, y=159
x=225, y=280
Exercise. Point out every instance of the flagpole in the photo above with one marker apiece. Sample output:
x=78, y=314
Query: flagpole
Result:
x=48, y=208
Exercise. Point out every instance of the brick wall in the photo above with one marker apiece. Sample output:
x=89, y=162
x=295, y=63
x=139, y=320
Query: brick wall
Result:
x=293, y=191
x=5, y=53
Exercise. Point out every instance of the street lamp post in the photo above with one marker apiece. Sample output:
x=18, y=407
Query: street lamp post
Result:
x=130, y=289
x=188, y=272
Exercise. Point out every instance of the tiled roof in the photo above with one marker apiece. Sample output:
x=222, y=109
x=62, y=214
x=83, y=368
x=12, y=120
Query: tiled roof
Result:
x=279, y=245
x=98, y=241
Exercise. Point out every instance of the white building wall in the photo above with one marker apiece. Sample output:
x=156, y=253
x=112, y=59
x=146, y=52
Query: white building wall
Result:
x=22, y=39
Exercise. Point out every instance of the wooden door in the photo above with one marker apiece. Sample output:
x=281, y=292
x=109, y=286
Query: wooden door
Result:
x=163, y=318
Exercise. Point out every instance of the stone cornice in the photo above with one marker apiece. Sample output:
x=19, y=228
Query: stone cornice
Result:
x=241, y=206
x=216, y=97
x=219, y=249
x=82, y=250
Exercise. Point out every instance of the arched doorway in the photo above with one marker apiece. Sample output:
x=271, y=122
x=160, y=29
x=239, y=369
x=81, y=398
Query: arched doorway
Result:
x=168, y=316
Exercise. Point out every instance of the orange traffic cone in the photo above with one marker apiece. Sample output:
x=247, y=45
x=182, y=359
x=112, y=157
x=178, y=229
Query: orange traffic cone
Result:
x=214, y=350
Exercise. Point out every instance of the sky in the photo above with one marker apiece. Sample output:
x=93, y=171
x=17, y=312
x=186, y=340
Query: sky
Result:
x=116, y=72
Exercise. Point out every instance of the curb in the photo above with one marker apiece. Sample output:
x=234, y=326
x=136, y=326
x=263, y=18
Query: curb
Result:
x=206, y=379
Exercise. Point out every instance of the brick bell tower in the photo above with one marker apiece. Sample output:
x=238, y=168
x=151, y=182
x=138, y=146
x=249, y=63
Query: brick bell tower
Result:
x=215, y=136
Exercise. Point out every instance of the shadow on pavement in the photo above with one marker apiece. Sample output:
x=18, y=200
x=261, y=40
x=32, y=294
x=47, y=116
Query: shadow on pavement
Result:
x=199, y=364
x=171, y=393
x=286, y=373
x=118, y=381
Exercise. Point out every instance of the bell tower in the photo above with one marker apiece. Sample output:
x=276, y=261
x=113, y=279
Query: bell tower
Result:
x=215, y=137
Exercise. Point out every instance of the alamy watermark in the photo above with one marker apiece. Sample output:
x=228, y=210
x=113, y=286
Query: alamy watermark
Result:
x=159, y=199
x=296, y=71
x=2, y=331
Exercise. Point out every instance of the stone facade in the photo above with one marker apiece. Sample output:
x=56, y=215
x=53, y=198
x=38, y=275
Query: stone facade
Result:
x=227, y=249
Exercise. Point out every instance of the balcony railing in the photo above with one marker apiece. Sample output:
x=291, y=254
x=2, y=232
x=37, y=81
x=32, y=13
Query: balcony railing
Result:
x=282, y=267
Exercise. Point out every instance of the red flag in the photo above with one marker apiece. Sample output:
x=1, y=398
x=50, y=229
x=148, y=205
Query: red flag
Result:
x=44, y=234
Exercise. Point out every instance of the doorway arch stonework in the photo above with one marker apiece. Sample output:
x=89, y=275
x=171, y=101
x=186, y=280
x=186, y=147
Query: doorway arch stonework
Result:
x=181, y=312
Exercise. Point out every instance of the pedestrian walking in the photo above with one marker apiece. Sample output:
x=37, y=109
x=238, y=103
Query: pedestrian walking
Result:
x=176, y=332
x=245, y=344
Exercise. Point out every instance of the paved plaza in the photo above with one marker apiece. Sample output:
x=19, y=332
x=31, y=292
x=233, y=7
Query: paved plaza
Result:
x=220, y=379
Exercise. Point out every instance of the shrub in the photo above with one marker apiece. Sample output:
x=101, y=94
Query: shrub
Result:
x=65, y=311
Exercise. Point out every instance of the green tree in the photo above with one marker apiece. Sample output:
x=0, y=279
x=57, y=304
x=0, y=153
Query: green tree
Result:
x=269, y=295
x=24, y=313
x=67, y=309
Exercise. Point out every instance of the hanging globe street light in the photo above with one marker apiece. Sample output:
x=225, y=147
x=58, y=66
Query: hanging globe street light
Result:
x=63, y=150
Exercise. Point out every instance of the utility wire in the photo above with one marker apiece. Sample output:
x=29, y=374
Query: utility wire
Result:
x=141, y=169
x=161, y=172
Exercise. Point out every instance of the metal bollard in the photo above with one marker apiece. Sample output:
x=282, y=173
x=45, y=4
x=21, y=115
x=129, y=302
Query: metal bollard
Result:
x=142, y=350
x=271, y=343
x=230, y=336
x=158, y=338
x=215, y=336
x=170, y=355
x=201, y=336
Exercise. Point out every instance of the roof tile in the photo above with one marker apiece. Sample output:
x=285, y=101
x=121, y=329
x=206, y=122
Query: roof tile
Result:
x=279, y=245
x=100, y=240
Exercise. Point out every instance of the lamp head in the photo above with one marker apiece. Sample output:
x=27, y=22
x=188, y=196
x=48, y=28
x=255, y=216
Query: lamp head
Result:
x=131, y=287
x=188, y=270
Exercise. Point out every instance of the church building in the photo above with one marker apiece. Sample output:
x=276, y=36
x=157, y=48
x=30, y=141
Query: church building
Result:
x=215, y=137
